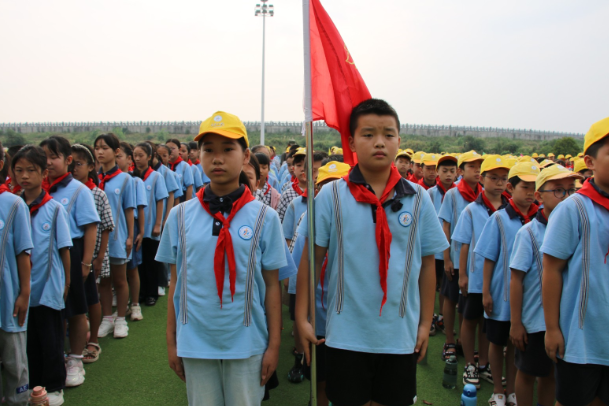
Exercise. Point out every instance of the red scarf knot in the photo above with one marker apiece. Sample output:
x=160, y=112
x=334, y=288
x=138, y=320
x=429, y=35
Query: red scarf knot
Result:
x=47, y=186
x=525, y=217
x=467, y=192
x=90, y=184
x=422, y=183
x=105, y=178
x=441, y=187
x=174, y=164
x=4, y=188
x=297, y=188
x=45, y=198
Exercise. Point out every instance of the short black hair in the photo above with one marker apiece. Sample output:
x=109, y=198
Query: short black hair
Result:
x=255, y=148
x=13, y=150
x=514, y=181
x=336, y=158
x=30, y=153
x=447, y=162
x=110, y=139
x=372, y=106
x=594, y=148
x=254, y=164
x=58, y=145
x=298, y=159
x=192, y=145
x=263, y=159
x=174, y=141
x=319, y=156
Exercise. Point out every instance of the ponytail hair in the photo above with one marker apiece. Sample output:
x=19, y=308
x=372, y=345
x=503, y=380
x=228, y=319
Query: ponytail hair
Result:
x=244, y=180
x=86, y=152
x=127, y=149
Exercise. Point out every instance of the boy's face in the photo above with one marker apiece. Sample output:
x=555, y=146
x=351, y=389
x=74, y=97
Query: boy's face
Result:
x=418, y=170
x=430, y=174
x=264, y=173
x=194, y=154
x=447, y=174
x=28, y=175
x=523, y=194
x=495, y=181
x=549, y=199
x=376, y=141
x=471, y=171
x=600, y=165
x=316, y=166
x=299, y=171
x=403, y=164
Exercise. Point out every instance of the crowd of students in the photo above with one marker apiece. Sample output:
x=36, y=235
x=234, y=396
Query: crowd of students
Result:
x=223, y=225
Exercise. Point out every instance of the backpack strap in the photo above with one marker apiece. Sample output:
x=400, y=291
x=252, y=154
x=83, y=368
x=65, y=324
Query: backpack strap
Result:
x=183, y=265
x=4, y=236
x=52, y=236
x=119, y=210
x=585, y=233
x=251, y=266
x=410, y=251
x=506, y=274
x=338, y=222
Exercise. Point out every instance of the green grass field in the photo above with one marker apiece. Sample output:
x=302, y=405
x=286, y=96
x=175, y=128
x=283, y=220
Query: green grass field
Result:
x=134, y=371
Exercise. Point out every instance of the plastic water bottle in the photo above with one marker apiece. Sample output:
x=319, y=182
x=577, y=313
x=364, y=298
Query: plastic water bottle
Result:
x=468, y=398
x=449, y=380
x=39, y=397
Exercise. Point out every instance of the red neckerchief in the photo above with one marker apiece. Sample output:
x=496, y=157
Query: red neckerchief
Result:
x=422, y=183
x=527, y=218
x=46, y=186
x=506, y=195
x=189, y=162
x=16, y=189
x=467, y=192
x=293, y=179
x=147, y=173
x=441, y=187
x=297, y=188
x=224, y=245
x=413, y=178
x=268, y=188
x=197, y=162
x=173, y=165
x=4, y=188
x=321, y=279
x=306, y=192
x=488, y=203
x=105, y=178
x=131, y=168
x=382, y=232
x=589, y=190
x=44, y=201
x=90, y=184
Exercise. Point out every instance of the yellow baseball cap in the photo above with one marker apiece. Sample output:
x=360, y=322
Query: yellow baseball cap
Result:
x=224, y=124
x=597, y=132
x=541, y=156
x=561, y=156
x=526, y=158
x=551, y=155
x=554, y=172
x=579, y=165
x=338, y=151
x=527, y=171
x=409, y=151
x=418, y=157
x=568, y=156
x=404, y=154
x=300, y=151
x=332, y=170
x=447, y=157
x=581, y=154
x=535, y=155
x=494, y=162
x=470, y=156
x=511, y=162
x=430, y=159
x=546, y=162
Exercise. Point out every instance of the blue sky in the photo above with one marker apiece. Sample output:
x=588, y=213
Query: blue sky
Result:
x=523, y=64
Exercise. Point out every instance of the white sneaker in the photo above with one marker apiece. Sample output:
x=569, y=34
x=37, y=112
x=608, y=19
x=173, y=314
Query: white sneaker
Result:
x=74, y=376
x=105, y=328
x=161, y=291
x=498, y=399
x=121, y=330
x=55, y=398
x=136, y=313
x=511, y=400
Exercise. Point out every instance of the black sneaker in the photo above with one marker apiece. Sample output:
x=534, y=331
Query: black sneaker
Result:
x=432, y=330
x=485, y=373
x=296, y=374
x=470, y=375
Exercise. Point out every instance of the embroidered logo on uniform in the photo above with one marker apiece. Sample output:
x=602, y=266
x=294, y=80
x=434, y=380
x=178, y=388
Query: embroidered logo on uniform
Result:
x=65, y=201
x=149, y=187
x=246, y=233
x=332, y=168
x=218, y=118
x=23, y=388
x=405, y=219
x=117, y=191
x=1, y=224
x=46, y=226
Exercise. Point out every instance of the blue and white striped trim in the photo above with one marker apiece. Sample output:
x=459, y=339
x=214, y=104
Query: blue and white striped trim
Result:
x=409, y=251
x=585, y=233
x=340, y=288
x=52, y=241
x=472, y=258
x=184, y=264
x=251, y=266
x=536, y=253
x=151, y=201
x=506, y=268
x=453, y=223
x=5, y=233
x=74, y=197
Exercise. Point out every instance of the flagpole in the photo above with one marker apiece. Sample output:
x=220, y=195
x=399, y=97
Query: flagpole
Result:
x=310, y=189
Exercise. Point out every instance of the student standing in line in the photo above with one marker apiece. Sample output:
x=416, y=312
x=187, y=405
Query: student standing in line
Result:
x=80, y=205
x=120, y=189
x=160, y=156
x=373, y=344
x=403, y=162
x=430, y=172
x=575, y=284
x=223, y=331
x=50, y=275
x=495, y=245
x=181, y=169
x=266, y=193
x=196, y=176
x=298, y=184
x=194, y=158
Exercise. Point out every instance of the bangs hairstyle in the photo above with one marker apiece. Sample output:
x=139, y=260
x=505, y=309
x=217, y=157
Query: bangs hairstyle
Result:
x=85, y=152
x=514, y=180
x=174, y=141
x=187, y=145
x=594, y=148
x=372, y=106
x=262, y=158
x=58, y=146
x=192, y=145
x=298, y=159
x=34, y=155
x=448, y=162
x=255, y=164
x=110, y=139
x=147, y=148
x=240, y=141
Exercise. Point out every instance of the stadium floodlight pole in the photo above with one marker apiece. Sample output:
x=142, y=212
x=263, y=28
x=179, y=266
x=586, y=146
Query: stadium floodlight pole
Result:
x=263, y=10
x=308, y=110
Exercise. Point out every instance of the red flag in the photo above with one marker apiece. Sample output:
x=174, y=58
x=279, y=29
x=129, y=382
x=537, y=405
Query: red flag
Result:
x=336, y=85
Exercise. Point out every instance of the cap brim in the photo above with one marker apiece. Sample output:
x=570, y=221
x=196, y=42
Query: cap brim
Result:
x=492, y=168
x=447, y=158
x=565, y=175
x=221, y=132
x=478, y=158
x=330, y=177
x=430, y=163
x=528, y=178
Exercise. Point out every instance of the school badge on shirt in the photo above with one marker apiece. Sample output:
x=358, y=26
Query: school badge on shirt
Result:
x=46, y=226
x=405, y=219
x=117, y=191
x=246, y=233
x=65, y=201
x=149, y=187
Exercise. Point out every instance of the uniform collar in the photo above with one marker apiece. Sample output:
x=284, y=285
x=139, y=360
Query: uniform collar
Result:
x=62, y=183
x=601, y=192
x=402, y=188
x=110, y=172
x=37, y=200
x=222, y=204
x=540, y=217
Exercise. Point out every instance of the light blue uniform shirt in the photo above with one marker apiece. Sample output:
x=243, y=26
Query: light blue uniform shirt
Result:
x=451, y=209
x=290, y=220
x=354, y=291
x=16, y=238
x=436, y=195
x=469, y=227
x=141, y=199
x=496, y=243
x=155, y=190
x=211, y=331
x=204, y=177
x=184, y=175
x=197, y=178
x=272, y=179
x=82, y=211
x=48, y=280
x=527, y=258
x=583, y=318
x=170, y=183
x=121, y=194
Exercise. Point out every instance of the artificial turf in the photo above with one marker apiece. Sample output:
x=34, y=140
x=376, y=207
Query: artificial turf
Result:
x=134, y=371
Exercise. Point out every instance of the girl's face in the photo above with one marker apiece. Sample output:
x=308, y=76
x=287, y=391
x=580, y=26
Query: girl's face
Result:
x=123, y=160
x=251, y=175
x=140, y=158
x=81, y=168
x=103, y=153
x=57, y=165
x=174, y=151
x=163, y=153
x=223, y=159
x=193, y=155
x=184, y=153
x=28, y=175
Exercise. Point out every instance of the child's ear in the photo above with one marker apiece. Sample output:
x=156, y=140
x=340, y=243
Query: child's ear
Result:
x=589, y=162
x=45, y=173
x=69, y=159
x=538, y=197
x=246, y=157
x=510, y=188
x=352, y=143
